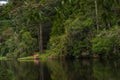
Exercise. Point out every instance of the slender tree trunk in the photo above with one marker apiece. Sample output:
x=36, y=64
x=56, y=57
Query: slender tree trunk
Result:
x=96, y=12
x=40, y=39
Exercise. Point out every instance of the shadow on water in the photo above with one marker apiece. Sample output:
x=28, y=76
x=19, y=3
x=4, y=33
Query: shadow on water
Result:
x=84, y=69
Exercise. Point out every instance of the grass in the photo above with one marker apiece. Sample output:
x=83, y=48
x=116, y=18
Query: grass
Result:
x=43, y=56
x=26, y=58
x=29, y=58
x=3, y=58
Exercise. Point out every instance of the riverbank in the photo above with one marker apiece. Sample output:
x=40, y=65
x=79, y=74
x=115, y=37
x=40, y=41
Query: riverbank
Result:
x=44, y=56
x=48, y=56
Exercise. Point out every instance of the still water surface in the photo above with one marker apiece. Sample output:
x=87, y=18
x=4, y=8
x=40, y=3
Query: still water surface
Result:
x=60, y=70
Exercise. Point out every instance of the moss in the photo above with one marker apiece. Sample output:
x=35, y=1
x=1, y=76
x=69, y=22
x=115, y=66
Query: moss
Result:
x=3, y=58
x=26, y=58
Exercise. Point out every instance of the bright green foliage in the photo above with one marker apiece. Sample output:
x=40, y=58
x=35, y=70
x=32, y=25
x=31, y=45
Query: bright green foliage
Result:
x=75, y=40
x=18, y=41
x=77, y=33
x=70, y=27
x=18, y=45
x=107, y=42
x=80, y=36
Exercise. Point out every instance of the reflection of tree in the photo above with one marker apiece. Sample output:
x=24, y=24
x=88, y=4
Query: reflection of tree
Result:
x=67, y=70
x=29, y=70
x=60, y=70
x=57, y=71
x=6, y=74
x=110, y=70
x=84, y=70
x=80, y=70
x=25, y=70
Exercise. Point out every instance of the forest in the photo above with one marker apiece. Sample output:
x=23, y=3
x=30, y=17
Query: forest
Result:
x=60, y=28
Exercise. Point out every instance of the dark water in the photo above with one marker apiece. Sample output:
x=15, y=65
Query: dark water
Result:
x=60, y=70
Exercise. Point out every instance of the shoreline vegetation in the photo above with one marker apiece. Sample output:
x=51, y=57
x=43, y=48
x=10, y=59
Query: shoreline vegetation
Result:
x=47, y=56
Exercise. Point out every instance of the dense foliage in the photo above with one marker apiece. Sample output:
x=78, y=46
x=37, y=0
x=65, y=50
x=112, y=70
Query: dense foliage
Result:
x=64, y=27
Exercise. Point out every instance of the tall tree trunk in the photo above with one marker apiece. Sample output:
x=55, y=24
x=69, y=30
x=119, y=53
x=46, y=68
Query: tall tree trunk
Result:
x=96, y=12
x=40, y=39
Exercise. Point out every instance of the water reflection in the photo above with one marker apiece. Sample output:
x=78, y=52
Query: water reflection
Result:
x=60, y=70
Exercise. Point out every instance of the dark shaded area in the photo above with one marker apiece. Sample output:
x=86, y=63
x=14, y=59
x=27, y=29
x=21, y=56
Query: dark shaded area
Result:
x=82, y=69
x=46, y=34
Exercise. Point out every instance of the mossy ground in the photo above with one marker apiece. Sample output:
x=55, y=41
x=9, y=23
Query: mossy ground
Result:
x=42, y=56
x=3, y=58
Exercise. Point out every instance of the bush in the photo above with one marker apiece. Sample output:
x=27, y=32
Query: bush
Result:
x=107, y=42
